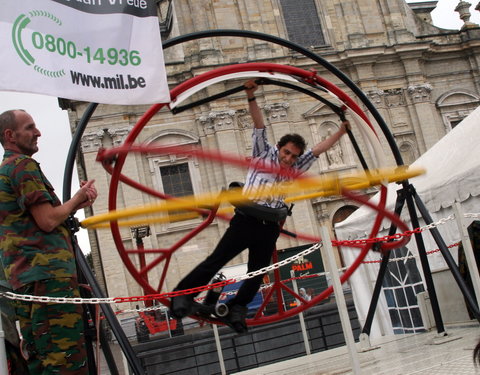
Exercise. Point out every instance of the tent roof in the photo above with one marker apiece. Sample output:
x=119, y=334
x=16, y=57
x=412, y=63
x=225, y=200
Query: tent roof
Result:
x=452, y=174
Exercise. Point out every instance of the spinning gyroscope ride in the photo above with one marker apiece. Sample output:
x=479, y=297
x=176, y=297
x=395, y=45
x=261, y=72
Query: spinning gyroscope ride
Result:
x=208, y=205
x=305, y=82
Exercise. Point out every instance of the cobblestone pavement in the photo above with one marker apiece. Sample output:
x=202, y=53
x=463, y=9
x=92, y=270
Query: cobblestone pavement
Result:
x=419, y=354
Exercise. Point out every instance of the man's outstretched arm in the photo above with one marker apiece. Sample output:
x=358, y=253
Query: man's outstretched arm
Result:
x=250, y=88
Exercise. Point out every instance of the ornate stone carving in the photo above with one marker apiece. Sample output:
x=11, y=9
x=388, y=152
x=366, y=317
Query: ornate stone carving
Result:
x=420, y=93
x=207, y=125
x=91, y=142
x=277, y=111
x=334, y=155
x=244, y=119
x=119, y=134
x=376, y=96
x=394, y=98
x=407, y=146
x=463, y=9
x=245, y=124
x=218, y=120
x=322, y=213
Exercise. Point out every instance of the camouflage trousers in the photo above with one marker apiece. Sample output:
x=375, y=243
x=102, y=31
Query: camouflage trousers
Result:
x=53, y=332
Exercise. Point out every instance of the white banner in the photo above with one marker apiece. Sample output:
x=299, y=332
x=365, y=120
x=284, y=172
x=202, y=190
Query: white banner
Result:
x=100, y=51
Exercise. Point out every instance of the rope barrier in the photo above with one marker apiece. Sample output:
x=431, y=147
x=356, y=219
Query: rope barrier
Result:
x=152, y=297
x=44, y=299
x=396, y=236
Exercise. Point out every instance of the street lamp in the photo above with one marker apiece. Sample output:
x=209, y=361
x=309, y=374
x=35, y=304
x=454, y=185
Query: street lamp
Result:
x=139, y=233
x=165, y=17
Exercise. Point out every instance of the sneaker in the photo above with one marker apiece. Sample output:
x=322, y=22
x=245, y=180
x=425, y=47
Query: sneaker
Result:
x=236, y=318
x=181, y=306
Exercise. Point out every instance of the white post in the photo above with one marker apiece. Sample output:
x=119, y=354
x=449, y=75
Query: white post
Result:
x=467, y=246
x=331, y=267
x=3, y=351
x=167, y=317
x=300, y=316
x=126, y=366
x=219, y=349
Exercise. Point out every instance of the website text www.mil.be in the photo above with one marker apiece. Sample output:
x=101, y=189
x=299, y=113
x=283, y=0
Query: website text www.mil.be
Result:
x=117, y=82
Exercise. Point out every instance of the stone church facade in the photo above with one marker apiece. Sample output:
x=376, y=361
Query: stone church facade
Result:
x=422, y=79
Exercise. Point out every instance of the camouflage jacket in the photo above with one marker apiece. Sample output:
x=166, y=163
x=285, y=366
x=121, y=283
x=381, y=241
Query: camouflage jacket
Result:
x=27, y=253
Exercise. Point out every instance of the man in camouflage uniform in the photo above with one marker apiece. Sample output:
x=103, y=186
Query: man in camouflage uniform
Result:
x=36, y=251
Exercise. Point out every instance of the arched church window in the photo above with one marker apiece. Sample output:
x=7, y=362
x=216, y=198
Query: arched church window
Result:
x=454, y=106
x=176, y=180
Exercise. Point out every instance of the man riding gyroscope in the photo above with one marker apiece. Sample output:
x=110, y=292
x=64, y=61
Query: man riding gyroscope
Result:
x=257, y=231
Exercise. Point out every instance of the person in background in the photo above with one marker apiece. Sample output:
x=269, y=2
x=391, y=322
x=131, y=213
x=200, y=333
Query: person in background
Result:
x=306, y=294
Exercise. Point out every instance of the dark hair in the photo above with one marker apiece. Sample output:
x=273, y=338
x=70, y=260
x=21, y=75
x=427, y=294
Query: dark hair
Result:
x=296, y=139
x=7, y=121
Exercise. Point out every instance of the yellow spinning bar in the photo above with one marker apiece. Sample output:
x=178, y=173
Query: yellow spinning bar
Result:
x=323, y=185
x=170, y=218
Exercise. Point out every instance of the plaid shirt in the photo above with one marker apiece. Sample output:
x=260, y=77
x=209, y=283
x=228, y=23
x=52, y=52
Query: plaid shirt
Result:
x=260, y=175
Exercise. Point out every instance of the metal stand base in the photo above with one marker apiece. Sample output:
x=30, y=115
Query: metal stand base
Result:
x=365, y=345
x=443, y=338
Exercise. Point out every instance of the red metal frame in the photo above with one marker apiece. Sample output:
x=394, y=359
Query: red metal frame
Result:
x=165, y=254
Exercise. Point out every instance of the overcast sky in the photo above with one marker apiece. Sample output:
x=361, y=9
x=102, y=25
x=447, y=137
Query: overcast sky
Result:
x=53, y=122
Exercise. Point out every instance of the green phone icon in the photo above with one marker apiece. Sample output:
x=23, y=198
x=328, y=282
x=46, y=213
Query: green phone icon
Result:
x=20, y=23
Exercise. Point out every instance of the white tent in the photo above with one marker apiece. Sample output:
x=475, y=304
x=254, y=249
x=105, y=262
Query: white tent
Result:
x=452, y=175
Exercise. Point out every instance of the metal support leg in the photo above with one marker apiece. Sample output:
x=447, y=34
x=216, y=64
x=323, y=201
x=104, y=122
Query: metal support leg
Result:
x=448, y=258
x=424, y=261
x=89, y=334
x=109, y=315
x=383, y=268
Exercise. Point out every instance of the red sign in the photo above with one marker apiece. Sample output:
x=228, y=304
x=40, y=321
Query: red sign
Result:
x=302, y=266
